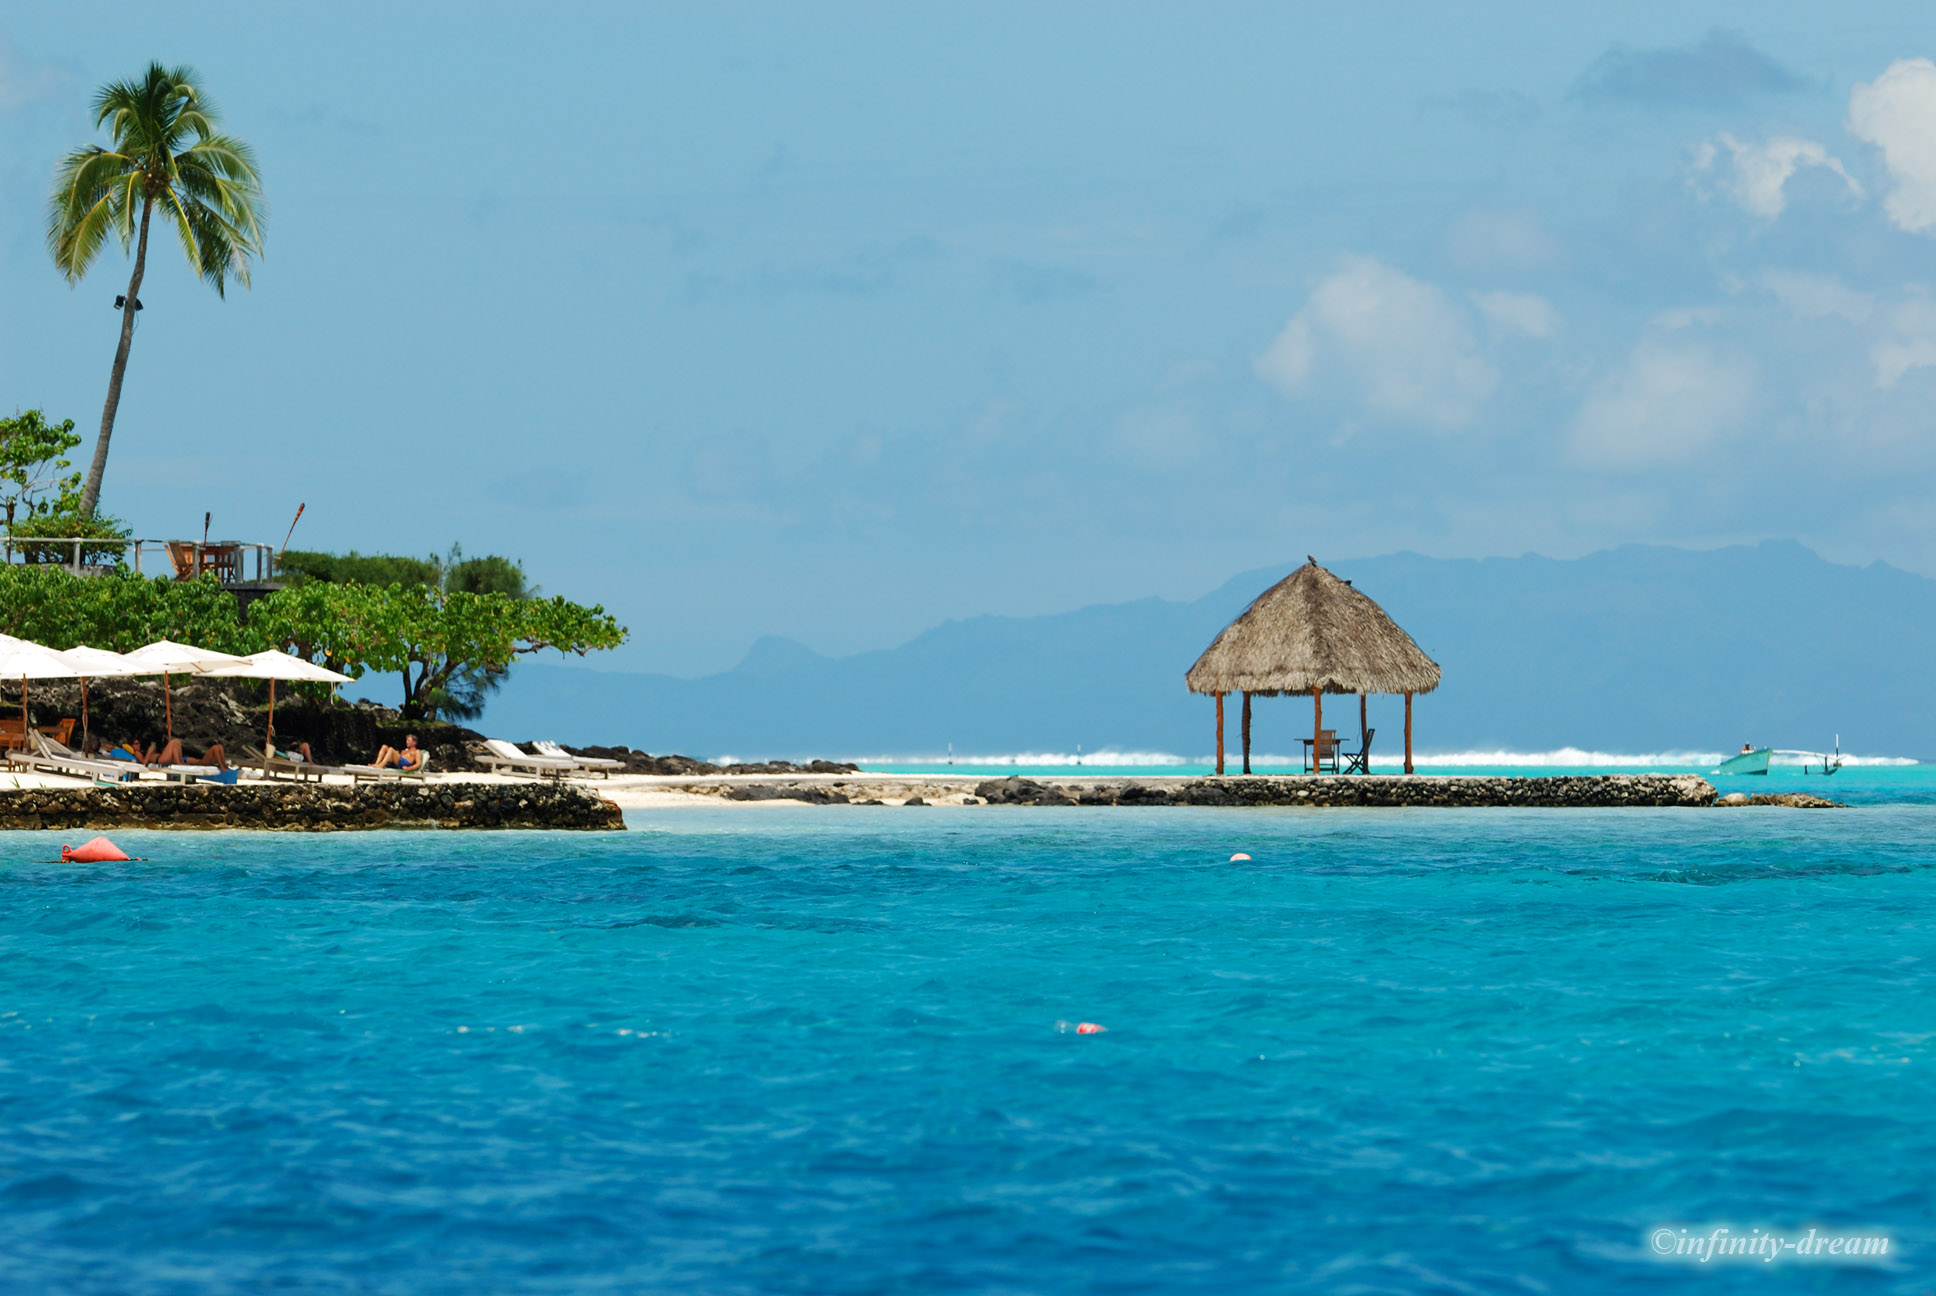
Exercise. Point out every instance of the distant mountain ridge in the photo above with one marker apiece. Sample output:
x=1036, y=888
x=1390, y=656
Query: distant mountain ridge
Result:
x=1635, y=649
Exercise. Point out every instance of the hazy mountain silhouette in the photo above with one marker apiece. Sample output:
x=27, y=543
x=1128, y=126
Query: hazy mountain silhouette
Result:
x=1636, y=649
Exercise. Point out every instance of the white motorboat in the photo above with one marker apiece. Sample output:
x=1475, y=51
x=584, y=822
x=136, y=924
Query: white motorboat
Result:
x=1754, y=761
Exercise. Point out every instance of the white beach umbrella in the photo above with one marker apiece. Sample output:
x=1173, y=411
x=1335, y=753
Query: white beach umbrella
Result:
x=273, y=664
x=22, y=660
x=95, y=663
x=164, y=657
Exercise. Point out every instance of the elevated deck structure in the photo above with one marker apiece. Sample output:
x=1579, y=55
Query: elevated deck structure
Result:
x=245, y=568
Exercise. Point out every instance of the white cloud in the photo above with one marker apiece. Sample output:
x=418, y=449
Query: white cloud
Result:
x=1524, y=313
x=1818, y=296
x=1897, y=113
x=1666, y=404
x=1756, y=175
x=1910, y=343
x=1400, y=345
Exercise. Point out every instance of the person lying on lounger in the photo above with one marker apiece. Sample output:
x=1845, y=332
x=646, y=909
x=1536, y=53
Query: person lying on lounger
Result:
x=173, y=754
x=411, y=757
x=299, y=752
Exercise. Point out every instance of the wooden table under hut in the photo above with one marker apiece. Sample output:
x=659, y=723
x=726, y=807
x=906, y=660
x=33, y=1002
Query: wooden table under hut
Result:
x=1312, y=634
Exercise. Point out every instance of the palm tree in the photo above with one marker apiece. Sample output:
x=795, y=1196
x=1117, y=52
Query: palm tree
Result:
x=165, y=154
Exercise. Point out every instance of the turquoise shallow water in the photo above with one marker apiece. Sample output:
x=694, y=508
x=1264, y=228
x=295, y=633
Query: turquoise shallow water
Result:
x=816, y=1051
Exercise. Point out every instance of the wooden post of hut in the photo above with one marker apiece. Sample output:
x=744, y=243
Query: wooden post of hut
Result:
x=1408, y=733
x=1313, y=633
x=1317, y=728
x=1364, y=737
x=1246, y=733
x=1219, y=733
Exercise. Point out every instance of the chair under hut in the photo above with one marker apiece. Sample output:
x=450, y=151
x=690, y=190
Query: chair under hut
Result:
x=1312, y=634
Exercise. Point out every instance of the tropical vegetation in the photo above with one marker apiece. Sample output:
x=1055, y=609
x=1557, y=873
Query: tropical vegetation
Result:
x=40, y=493
x=164, y=155
x=435, y=639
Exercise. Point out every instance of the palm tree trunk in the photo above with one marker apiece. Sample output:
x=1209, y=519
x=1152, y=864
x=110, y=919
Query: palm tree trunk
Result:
x=91, y=492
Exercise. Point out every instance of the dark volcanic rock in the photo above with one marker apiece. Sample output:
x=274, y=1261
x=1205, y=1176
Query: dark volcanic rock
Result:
x=638, y=762
x=1795, y=801
x=311, y=807
x=1021, y=791
x=786, y=792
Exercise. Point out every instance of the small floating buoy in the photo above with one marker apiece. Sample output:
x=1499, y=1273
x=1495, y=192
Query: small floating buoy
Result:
x=1238, y=856
x=1089, y=1028
x=98, y=851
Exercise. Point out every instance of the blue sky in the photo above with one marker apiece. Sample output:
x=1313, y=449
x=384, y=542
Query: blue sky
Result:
x=835, y=321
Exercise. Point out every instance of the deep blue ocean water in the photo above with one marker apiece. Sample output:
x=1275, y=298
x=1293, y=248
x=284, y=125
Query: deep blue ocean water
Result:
x=816, y=1050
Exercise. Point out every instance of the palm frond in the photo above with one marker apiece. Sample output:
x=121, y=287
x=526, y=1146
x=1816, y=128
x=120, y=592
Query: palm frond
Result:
x=82, y=210
x=221, y=253
x=75, y=244
x=225, y=156
x=168, y=152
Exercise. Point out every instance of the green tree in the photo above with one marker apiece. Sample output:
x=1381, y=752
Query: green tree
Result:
x=302, y=565
x=434, y=640
x=119, y=610
x=33, y=461
x=165, y=153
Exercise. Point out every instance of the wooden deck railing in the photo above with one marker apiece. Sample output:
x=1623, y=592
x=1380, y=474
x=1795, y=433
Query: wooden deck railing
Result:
x=233, y=562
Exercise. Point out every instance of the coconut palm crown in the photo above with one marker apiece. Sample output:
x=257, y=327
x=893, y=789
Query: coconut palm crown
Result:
x=165, y=155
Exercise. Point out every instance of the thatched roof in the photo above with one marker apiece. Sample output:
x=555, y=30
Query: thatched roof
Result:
x=1311, y=632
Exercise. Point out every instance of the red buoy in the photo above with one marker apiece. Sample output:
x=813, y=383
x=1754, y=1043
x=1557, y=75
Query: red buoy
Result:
x=1089, y=1028
x=98, y=851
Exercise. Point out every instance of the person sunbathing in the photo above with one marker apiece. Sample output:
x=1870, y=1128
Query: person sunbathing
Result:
x=411, y=757
x=173, y=754
x=299, y=752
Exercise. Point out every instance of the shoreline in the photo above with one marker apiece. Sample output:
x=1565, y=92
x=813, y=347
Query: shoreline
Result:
x=461, y=801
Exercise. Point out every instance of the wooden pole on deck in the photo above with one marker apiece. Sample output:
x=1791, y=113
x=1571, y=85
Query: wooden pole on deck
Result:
x=1246, y=733
x=1408, y=733
x=1364, y=727
x=1220, y=733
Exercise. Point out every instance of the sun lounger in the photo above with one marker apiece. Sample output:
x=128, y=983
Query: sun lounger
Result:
x=602, y=765
x=374, y=773
x=54, y=757
x=276, y=766
x=199, y=774
x=499, y=754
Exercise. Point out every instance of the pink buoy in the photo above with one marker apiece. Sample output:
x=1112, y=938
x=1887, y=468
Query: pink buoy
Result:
x=1238, y=856
x=1089, y=1028
x=98, y=851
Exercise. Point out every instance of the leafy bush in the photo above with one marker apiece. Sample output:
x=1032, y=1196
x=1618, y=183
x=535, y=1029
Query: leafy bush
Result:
x=442, y=644
x=301, y=565
x=118, y=610
x=449, y=647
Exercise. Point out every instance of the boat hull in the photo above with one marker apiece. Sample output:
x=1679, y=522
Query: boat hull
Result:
x=1754, y=762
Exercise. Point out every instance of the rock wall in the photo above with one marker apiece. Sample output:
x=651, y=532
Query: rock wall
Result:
x=311, y=807
x=1593, y=790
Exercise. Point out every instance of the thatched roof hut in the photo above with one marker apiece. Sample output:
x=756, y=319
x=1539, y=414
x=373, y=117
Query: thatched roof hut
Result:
x=1312, y=634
